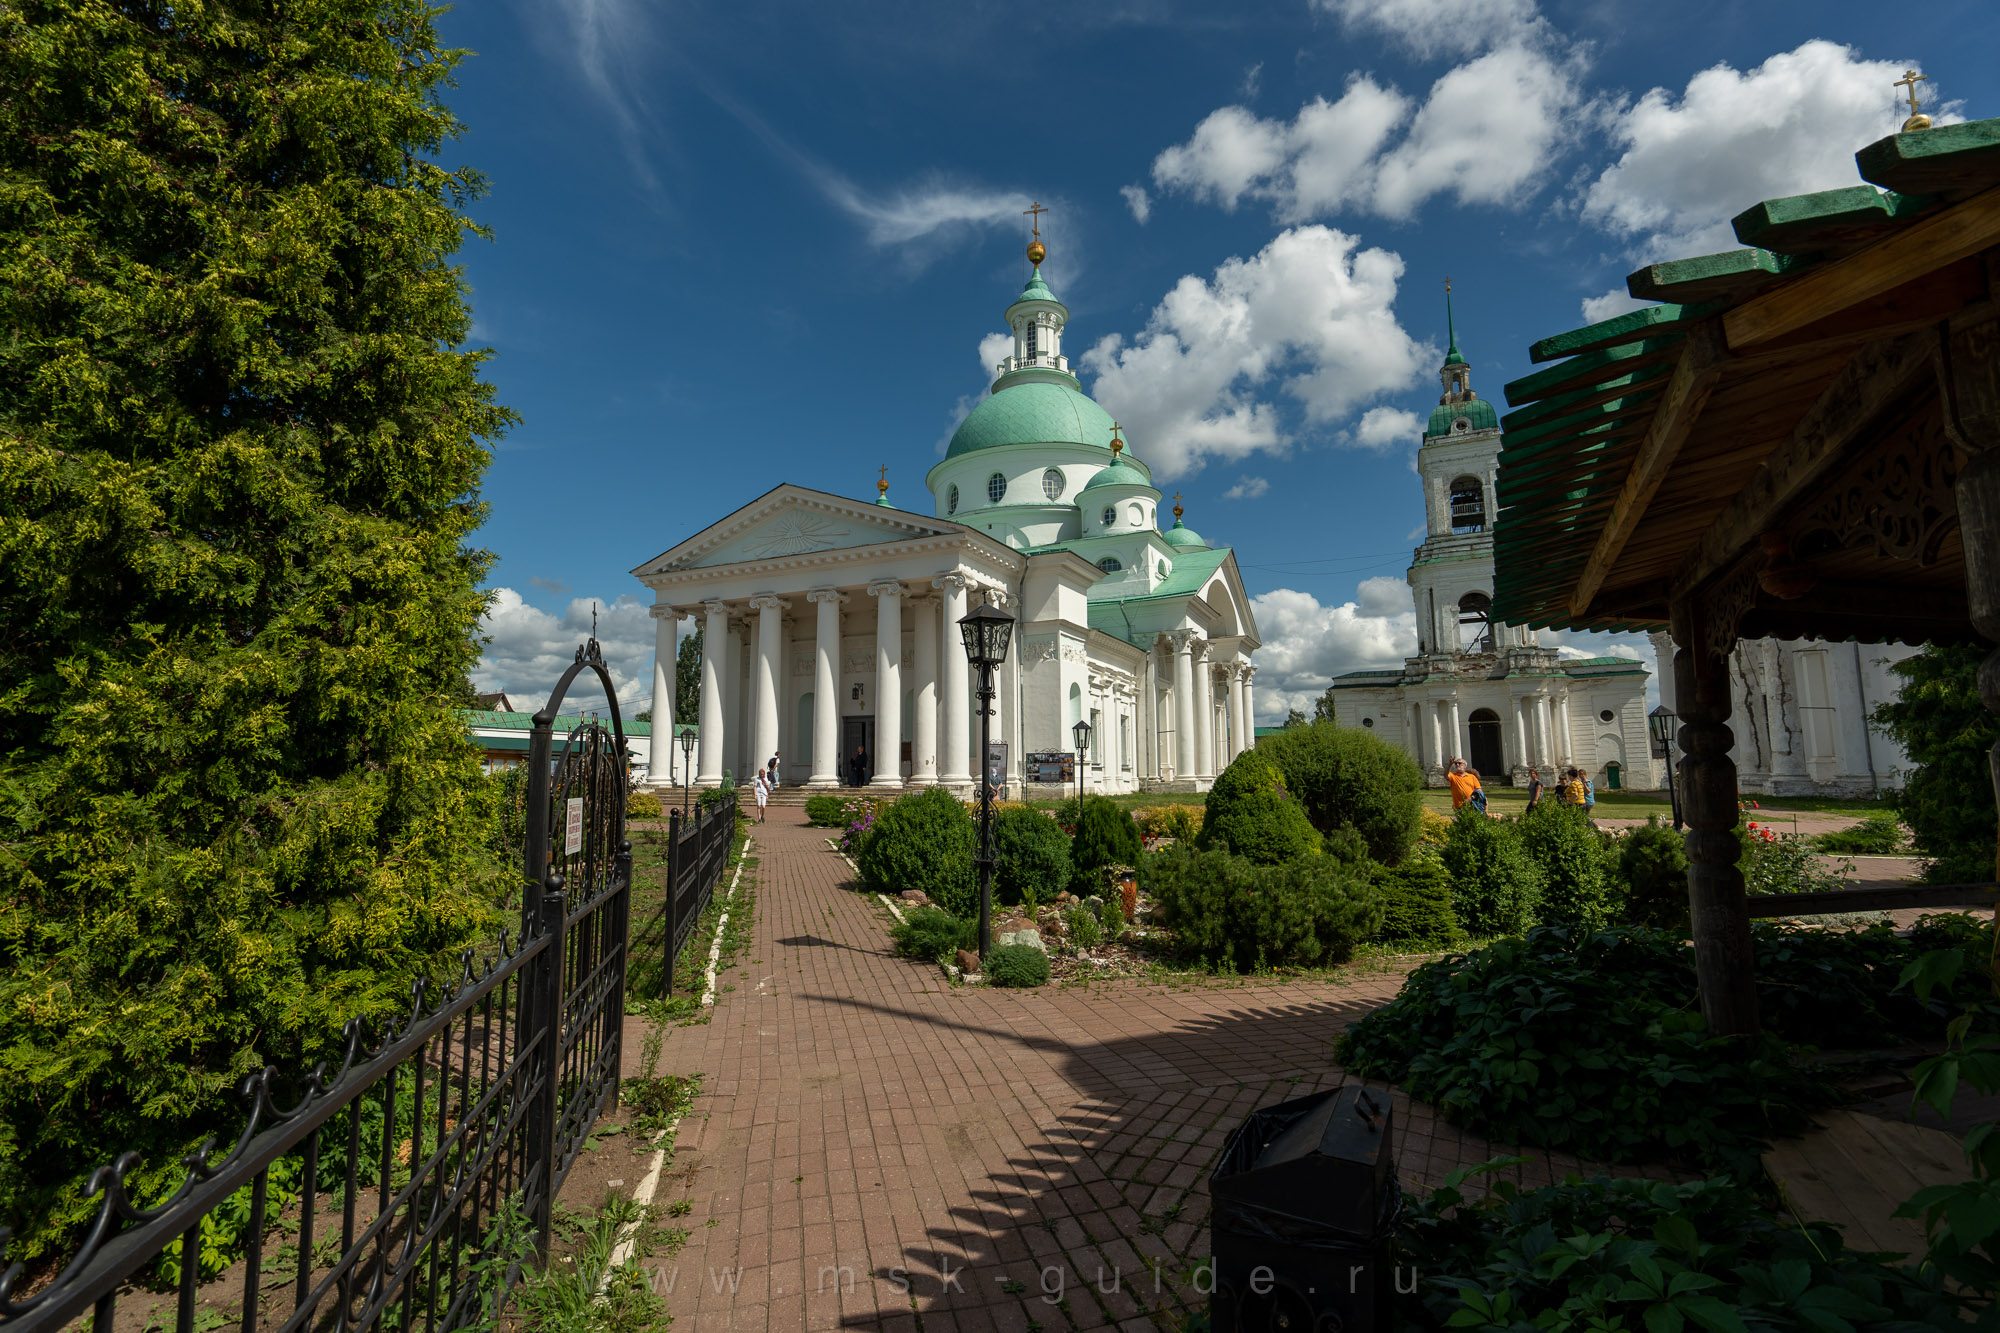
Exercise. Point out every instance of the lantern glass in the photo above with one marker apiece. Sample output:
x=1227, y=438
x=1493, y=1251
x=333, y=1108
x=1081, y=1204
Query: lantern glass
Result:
x=1660, y=723
x=985, y=632
x=687, y=744
x=1081, y=731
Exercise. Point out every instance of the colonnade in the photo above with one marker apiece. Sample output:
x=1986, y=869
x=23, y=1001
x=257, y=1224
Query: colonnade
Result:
x=1537, y=735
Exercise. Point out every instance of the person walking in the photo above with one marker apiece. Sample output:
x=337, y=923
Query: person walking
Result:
x=1534, y=787
x=857, y=768
x=1572, y=788
x=761, y=785
x=1589, y=797
x=1463, y=783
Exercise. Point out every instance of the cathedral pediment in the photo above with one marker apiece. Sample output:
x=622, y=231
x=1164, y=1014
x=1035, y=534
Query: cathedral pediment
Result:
x=791, y=522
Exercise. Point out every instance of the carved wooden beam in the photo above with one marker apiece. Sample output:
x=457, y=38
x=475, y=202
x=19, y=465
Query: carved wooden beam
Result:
x=1878, y=373
x=1905, y=255
x=1694, y=377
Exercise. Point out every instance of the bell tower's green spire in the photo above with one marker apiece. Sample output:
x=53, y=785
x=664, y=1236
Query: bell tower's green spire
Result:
x=1452, y=357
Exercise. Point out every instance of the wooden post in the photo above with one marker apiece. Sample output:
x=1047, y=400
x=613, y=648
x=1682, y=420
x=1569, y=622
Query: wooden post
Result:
x=1720, y=913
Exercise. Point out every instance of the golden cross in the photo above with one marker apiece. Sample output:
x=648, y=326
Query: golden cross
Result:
x=1447, y=284
x=1117, y=444
x=1910, y=80
x=1037, y=211
x=1177, y=504
x=883, y=484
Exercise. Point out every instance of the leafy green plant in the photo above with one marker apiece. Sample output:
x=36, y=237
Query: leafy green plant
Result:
x=1774, y=862
x=1653, y=863
x=1021, y=965
x=1575, y=862
x=933, y=933
x=1605, y=1254
x=1880, y=834
x=1940, y=723
x=1250, y=814
x=923, y=842
x=1033, y=854
x=1496, y=887
x=1349, y=778
x=1111, y=916
x=644, y=805
x=1105, y=835
x=1228, y=911
x=1416, y=904
x=1086, y=931
x=826, y=812
x=564, y=1297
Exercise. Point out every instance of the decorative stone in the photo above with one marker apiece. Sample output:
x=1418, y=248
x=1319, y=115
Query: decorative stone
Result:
x=1063, y=899
x=915, y=897
x=1020, y=931
x=968, y=961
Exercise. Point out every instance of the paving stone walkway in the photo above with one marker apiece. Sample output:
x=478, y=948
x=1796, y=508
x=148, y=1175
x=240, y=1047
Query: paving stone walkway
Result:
x=876, y=1148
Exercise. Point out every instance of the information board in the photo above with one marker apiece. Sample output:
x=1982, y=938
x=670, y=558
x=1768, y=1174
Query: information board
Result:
x=996, y=763
x=573, y=827
x=1051, y=767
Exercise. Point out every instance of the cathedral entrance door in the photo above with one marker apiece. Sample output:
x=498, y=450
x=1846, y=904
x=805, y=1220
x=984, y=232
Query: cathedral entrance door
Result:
x=857, y=734
x=1483, y=729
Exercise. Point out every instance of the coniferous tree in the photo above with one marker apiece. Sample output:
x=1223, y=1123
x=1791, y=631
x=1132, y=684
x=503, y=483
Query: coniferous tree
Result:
x=687, y=680
x=240, y=449
x=1946, y=731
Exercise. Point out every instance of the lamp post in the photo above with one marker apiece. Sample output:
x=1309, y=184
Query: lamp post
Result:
x=687, y=769
x=1660, y=723
x=985, y=632
x=1081, y=731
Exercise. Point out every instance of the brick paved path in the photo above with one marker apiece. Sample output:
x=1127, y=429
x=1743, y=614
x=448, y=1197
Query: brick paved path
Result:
x=961, y=1150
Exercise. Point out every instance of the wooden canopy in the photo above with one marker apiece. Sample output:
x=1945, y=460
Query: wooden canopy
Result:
x=1772, y=437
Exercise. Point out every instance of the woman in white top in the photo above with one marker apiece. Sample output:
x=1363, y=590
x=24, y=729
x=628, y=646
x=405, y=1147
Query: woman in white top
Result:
x=762, y=787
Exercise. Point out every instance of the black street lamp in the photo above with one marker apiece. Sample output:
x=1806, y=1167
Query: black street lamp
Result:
x=687, y=768
x=1660, y=723
x=1081, y=731
x=985, y=632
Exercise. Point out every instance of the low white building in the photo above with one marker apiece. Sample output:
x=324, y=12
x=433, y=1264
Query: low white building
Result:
x=829, y=625
x=1485, y=692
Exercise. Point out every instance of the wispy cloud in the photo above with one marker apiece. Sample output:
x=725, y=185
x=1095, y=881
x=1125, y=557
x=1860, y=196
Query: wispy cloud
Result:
x=1247, y=488
x=1138, y=201
x=606, y=41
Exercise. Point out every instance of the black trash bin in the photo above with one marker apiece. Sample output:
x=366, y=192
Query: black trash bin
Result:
x=1304, y=1204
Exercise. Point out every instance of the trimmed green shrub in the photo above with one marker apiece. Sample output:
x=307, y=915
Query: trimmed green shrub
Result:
x=923, y=842
x=643, y=805
x=1111, y=915
x=1496, y=888
x=1416, y=904
x=1249, y=813
x=933, y=933
x=826, y=811
x=1584, y=1042
x=1021, y=965
x=1033, y=856
x=1653, y=863
x=1947, y=796
x=1345, y=777
x=1575, y=861
x=1105, y=836
x=1881, y=834
x=1086, y=930
x=1643, y=1253
x=1231, y=912
x=1346, y=846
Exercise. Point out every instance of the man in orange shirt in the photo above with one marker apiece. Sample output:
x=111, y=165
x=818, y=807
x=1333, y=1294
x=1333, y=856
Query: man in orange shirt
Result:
x=1462, y=783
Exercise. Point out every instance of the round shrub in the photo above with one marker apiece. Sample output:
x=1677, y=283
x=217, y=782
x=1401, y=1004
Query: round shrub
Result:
x=1086, y=931
x=1017, y=965
x=826, y=811
x=1416, y=904
x=1033, y=855
x=1653, y=862
x=1250, y=813
x=1496, y=888
x=643, y=805
x=1230, y=912
x=1576, y=863
x=1105, y=836
x=932, y=933
x=923, y=842
x=1345, y=777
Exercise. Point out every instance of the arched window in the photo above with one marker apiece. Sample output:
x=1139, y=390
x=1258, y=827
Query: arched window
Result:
x=1109, y=564
x=1033, y=341
x=1468, y=505
x=951, y=500
x=1475, y=609
x=996, y=487
x=1052, y=483
x=1110, y=516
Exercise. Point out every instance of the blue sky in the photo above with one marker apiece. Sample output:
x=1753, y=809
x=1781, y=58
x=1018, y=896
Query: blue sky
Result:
x=737, y=245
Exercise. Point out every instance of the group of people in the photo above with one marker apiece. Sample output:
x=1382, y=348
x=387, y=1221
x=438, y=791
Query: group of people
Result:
x=1572, y=787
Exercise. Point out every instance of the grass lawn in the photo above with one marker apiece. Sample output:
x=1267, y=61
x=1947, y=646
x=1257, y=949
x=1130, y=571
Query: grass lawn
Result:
x=1139, y=800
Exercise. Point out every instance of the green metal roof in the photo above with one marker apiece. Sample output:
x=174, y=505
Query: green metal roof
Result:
x=525, y=722
x=1036, y=412
x=1036, y=290
x=1578, y=424
x=1120, y=473
x=1185, y=537
x=1482, y=414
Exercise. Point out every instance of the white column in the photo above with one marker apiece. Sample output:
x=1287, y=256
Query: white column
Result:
x=826, y=689
x=1522, y=755
x=1249, y=708
x=1204, y=712
x=714, y=662
x=1562, y=729
x=1184, y=751
x=1539, y=707
x=957, y=771
x=923, y=711
x=662, y=757
x=888, y=596
x=738, y=729
x=1459, y=748
x=764, y=677
x=1006, y=693
x=1438, y=753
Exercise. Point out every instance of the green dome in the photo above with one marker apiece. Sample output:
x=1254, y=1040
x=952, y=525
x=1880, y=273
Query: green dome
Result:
x=1184, y=537
x=1120, y=473
x=1036, y=290
x=1480, y=412
x=1036, y=412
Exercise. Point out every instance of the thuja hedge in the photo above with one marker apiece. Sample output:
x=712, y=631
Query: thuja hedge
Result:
x=1231, y=912
x=241, y=443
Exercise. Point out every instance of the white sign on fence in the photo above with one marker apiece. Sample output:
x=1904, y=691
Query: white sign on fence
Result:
x=573, y=835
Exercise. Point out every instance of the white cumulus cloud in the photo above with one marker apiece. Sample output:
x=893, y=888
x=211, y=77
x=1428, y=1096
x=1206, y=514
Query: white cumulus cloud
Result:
x=1617, y=301
x=1311, y=314
x=529, y=649
x=1138, y=201
x=1307, y=644
x=1689, y=163
x=1382, y=428
x=1247, y=488
x=992, y=348
x=1485, y=133
x=1431, y=28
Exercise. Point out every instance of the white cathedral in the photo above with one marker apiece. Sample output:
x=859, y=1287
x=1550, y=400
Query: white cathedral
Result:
x=1489, y=693
x=829, y=625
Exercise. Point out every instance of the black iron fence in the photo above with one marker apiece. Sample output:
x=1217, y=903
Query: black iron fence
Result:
x=406, y=1188
x=697, y=854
